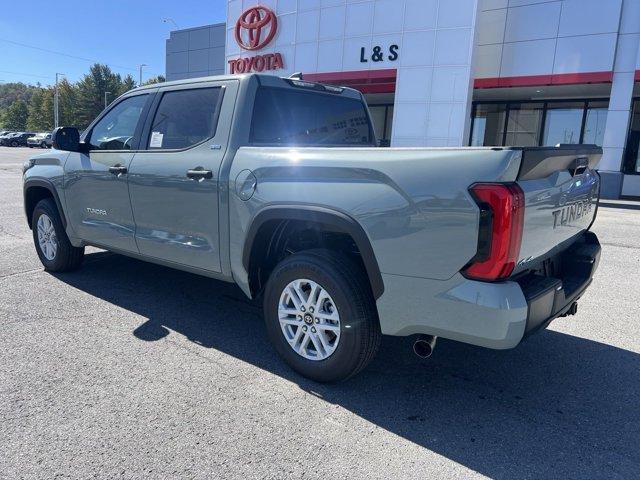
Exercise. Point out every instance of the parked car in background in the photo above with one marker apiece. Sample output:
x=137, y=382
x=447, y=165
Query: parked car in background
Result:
x=39, y=140
x=5, y=135
x=4, y=139
x=18, y=139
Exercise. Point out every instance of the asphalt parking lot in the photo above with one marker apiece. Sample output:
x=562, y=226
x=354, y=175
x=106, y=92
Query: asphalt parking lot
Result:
x=127, y=370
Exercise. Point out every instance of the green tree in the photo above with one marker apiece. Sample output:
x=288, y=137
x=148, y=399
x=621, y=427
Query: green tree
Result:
x=40, y=118
x=15, y=116
x=79, y=103
x=127, y=84
x=69, y=105
x=14, y=91
x=90, y=92
x=153, y=80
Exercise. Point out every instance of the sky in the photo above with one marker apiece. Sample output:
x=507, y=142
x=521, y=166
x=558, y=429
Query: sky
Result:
x=120, y=33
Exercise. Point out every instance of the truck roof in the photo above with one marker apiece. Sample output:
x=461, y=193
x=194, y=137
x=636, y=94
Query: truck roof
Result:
x=264, y=79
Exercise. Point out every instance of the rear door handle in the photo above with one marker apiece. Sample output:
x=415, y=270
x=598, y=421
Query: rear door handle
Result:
x=199, y=173
x=118, y=170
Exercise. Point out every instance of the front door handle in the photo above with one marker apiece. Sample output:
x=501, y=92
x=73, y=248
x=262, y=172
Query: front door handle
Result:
x=199, y=173
x=118, y=170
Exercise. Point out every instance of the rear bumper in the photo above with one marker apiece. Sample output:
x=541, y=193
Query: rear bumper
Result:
x=495, y=315
x=553, y=296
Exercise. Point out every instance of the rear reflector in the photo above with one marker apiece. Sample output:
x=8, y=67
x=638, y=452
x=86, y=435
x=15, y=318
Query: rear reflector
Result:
x=500, y=230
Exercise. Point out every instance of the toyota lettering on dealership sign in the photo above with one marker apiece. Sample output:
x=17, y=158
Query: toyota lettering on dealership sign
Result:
x=255, y=29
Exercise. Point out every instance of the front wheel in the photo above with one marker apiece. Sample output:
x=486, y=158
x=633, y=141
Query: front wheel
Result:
x=52, y=244
x=320, y=315
x=14, y=144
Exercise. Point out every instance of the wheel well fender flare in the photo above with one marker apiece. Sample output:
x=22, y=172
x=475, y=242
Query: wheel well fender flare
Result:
x=332, y=219
x=48, y=185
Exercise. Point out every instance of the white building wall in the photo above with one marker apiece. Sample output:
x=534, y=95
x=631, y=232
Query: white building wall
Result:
x=435, y=39
x=195, y=52
x=535, y=37
x=628, y=44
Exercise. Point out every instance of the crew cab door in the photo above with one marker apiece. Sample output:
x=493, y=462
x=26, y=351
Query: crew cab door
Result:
x=174, y=182
x=96, y=191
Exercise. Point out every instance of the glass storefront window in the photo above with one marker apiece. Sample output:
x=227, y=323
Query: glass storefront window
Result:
x=595, y=123
x=632, y=157
x=523, y=126
x=547, y=123
x=563, y=123
x=382, y=118
x=488, y=124
x=387, y=133
x=377, y=117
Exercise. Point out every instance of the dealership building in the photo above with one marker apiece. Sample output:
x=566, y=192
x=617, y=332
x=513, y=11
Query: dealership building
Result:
x=451, y=72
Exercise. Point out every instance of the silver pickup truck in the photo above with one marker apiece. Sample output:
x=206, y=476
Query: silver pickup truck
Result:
x=275, y=184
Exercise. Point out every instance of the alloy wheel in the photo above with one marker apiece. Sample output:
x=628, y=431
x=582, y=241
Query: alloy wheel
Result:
x=47, y=237
x=309, y=319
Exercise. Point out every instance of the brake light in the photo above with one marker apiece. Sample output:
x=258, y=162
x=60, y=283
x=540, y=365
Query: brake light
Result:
x=500, y=235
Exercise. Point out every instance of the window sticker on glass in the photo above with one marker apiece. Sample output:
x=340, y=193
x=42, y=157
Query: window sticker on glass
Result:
x=156, y=140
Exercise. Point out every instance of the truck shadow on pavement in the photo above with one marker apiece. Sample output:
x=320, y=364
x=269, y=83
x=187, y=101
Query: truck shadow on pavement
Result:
x=556, y=406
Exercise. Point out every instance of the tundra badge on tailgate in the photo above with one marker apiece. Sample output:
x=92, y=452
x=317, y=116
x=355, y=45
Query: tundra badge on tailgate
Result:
x=569, y=213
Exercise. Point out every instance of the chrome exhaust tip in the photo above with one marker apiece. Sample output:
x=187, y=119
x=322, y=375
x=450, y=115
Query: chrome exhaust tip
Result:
x=424, y=346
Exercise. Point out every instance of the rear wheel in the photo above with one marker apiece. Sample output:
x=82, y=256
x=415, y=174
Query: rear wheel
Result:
x=14, y=144
x=321, y=316
x=52, y=244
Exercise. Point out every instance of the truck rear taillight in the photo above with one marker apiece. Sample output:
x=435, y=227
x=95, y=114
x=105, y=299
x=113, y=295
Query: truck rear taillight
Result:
x=500, y=231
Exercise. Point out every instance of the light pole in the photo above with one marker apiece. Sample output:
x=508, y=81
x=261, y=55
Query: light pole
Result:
x=56, y=102
x=171, y=20
x=105, y=99
x=140, y=69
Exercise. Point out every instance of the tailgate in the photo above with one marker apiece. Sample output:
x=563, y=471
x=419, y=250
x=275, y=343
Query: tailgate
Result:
x=561, y=191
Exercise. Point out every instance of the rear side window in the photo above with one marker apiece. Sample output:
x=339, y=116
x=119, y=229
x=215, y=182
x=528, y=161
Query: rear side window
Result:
x=185, y=118
x=283, y=116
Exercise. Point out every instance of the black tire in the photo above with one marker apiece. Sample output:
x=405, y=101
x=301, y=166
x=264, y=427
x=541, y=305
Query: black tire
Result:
x=43, y=145
x=14, y=144
x=67, y=257
x=348, y=286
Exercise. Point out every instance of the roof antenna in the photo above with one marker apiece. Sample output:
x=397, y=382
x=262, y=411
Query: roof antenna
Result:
x=296, y=76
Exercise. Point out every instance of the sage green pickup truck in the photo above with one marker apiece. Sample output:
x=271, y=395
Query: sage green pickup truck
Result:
x=276, y=184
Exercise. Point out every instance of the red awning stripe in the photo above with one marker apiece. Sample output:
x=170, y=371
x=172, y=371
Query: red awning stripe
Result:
x=544, y=80
x=357, y=76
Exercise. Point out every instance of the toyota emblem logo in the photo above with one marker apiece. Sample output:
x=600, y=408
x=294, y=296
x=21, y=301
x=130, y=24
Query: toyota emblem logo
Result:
x=255, y=28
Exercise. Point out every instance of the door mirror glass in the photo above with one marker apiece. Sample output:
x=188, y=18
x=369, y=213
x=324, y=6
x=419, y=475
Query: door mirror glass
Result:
x=66, y=138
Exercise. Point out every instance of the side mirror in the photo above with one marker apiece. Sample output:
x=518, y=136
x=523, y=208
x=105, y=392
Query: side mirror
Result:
x=66, y=138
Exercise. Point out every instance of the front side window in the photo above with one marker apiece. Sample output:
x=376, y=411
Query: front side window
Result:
x=184, y=118
x=116, y=130
x=284, y=116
